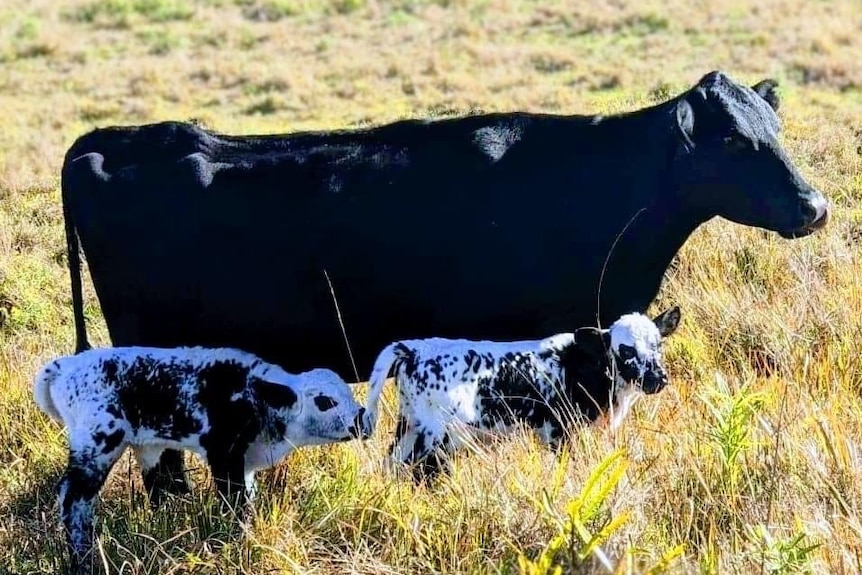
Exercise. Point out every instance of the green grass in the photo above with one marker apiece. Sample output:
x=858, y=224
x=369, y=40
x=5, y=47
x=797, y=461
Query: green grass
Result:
x=749, y=463
x=126, y=13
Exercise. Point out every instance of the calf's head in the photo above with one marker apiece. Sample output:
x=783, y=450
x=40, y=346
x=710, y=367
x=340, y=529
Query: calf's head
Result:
x=316, y=408
x=730, y=163
x=633, y=343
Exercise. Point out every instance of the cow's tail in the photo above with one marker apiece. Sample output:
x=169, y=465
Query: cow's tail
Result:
x=43, y=381
x=73, y=252
x=386, y=363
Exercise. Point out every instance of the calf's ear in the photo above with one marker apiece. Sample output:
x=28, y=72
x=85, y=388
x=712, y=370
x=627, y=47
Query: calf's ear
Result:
x=593, y=341
x=274, y=395
x=766, y=90
x=668, y=321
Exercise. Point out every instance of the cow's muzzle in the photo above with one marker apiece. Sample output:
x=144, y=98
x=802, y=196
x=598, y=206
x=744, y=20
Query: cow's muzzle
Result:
x=815, y=212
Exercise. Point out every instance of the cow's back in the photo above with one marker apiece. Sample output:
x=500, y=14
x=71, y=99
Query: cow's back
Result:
x=146, y=144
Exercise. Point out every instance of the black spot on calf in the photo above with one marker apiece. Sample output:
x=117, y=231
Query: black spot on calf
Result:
x=148, y=394
x=110, y=440
x=275, y=395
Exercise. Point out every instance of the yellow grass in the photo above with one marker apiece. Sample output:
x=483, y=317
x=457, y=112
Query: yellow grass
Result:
x=749, y=463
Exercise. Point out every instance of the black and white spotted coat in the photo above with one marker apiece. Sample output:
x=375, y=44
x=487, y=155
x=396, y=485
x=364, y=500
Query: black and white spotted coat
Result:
x=238, y=412
x=447, y=387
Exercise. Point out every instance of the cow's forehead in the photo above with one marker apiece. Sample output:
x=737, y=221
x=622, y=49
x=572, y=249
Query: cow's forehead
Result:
x=747, y=112
x=637, y=331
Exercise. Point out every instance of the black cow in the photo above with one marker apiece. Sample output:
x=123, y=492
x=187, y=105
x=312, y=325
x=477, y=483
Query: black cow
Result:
x=493, y=226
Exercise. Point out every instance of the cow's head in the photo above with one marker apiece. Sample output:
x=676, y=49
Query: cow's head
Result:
x=315, y=408
x=633, y=343
x=731, y=163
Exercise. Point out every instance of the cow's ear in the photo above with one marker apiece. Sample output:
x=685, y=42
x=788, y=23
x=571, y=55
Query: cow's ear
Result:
x=766, y=90
x=685, y=122
x=593, y=341
x=668, y=321
x=274, y=395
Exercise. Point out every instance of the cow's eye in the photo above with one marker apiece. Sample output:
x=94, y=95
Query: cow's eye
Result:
x=736, y=143
x=324, y=402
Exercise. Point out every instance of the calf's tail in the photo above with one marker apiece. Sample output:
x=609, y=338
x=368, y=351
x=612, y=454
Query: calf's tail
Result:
x=44, y=379
x=385, y=363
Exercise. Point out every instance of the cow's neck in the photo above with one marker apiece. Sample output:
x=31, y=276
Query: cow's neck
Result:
x=662, y=230
x=653, y=221
x=661, y=219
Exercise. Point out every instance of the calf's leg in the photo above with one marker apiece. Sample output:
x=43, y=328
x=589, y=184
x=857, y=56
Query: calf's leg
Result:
x=422, y=446
x=401, y=429
x=90, y=462
x=552, y=434
x=403, y=447
x=429, y=455
x=250, y=485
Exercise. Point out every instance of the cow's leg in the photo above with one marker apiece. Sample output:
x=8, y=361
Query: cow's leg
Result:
x=229, y=473
x=434, y=462
x=90, y=462
x=170, y=475
x=155, y=483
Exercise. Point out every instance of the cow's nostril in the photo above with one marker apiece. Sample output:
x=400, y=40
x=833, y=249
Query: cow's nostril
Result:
x=814, y=210
x=808, y=211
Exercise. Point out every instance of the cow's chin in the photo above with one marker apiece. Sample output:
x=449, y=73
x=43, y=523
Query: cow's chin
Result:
x=817, y=224
x=796, y=234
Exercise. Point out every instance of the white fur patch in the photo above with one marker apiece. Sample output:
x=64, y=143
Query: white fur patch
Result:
x=637, y=331
x=495, y=141
x=624, y=400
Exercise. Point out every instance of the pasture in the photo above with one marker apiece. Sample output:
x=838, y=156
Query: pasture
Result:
x=749, y=462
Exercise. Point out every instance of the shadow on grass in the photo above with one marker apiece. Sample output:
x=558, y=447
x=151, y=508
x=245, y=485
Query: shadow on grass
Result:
x=30, y=526
x=132, y=537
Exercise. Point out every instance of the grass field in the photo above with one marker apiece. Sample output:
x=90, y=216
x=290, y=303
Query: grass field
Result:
x=750, y=462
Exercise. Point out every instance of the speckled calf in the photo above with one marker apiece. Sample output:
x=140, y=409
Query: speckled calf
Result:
x=448, y=387
x=238, y=412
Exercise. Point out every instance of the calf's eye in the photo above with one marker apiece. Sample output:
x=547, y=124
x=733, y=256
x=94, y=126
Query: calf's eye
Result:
x=626, y=352
x=324, y=402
